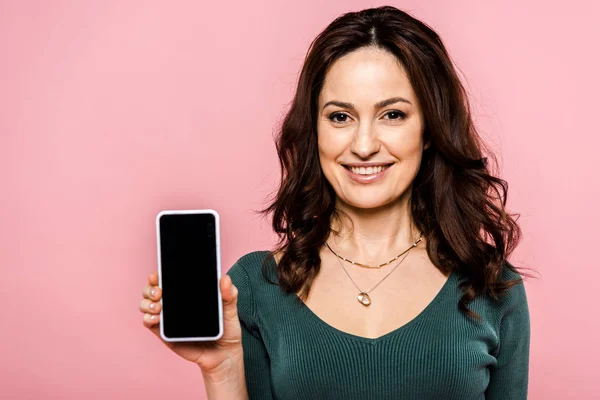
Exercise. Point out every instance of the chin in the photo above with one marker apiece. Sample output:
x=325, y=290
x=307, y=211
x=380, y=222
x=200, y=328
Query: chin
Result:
x=367, y=202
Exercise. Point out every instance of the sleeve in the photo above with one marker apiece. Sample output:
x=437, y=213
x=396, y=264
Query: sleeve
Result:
x=256, y=359
x=509, y=377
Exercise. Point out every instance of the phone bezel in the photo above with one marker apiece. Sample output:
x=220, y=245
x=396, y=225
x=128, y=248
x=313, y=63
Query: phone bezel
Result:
x=219, y=300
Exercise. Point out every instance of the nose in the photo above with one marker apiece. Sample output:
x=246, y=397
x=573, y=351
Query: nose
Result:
x=365, y=141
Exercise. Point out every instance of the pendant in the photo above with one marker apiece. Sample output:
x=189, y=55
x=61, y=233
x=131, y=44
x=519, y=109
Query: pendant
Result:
x=364, y=299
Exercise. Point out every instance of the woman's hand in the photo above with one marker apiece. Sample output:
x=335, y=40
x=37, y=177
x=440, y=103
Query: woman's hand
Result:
x=220, y=358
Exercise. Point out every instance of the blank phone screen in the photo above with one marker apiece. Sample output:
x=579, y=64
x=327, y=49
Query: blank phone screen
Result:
x=188, y=257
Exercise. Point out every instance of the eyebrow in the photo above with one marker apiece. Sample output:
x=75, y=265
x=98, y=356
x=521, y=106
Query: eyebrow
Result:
x=378, y=105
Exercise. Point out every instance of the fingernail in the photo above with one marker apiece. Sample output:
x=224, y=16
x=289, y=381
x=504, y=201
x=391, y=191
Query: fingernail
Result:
x=152, y=292
x=152, y=317
x=152, y=305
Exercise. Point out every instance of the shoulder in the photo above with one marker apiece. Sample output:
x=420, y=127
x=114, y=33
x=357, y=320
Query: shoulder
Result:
x=247, y=271
x=255, y=293
x=512, y=299
x=515, y=294
x=244, y=274
x=249, y=263
x=511, y=307
x=509, y=272
x=513, y=320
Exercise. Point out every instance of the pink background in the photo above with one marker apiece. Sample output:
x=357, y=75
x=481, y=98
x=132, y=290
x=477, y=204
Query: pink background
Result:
x=111, y=111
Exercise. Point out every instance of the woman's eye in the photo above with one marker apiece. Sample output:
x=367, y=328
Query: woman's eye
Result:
x=394, y=115
x=334, y=115
x=399, y=114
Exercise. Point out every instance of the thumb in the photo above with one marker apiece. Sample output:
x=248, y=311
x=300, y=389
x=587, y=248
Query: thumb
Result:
x=230, y=294
x=232, y=329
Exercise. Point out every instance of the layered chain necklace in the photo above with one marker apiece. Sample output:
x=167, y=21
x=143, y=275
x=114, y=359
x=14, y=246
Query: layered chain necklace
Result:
x=363, y=297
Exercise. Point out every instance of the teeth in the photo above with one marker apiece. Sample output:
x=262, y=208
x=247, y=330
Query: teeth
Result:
x=368, y=170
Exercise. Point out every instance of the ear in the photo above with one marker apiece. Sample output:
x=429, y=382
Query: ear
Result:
x=427, y=144
x=426, y=137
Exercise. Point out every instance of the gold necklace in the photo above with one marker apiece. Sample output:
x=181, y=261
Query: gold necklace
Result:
x=380, y=265
x=363, y=297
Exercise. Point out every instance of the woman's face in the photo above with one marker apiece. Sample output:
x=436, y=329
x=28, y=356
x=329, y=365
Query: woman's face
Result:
x=369, y=153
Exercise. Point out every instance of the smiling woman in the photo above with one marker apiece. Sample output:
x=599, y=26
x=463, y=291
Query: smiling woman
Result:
x=383, y=174
x=379, y=87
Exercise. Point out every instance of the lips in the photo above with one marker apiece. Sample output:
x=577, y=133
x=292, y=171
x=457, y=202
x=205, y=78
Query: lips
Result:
x=363, y=178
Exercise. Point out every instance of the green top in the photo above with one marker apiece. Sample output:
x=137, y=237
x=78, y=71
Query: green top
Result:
x=290, y=353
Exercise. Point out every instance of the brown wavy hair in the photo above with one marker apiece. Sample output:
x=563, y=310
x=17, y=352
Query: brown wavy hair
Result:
x=457, y=202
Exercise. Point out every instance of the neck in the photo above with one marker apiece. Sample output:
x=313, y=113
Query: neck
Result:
x=373, y=236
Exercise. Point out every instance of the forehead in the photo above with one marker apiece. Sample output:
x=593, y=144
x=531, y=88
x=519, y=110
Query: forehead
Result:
x=366, y=74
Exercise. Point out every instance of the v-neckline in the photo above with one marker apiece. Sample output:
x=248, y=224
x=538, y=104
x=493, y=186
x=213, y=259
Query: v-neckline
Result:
x=429, y=308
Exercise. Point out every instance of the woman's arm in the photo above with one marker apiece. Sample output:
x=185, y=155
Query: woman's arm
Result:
x=510, y=376
x=256, y=360
x=258, y=366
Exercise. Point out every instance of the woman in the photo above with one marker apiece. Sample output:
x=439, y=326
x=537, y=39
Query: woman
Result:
x=391, y=278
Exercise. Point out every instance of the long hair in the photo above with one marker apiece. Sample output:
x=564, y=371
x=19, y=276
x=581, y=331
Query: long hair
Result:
x=457, y=202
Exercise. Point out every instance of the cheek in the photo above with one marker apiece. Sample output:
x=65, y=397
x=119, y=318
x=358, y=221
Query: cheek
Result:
x=330, y=147
x=410, y=160
x=413, y=151
x=410, y=147
x=329, y=152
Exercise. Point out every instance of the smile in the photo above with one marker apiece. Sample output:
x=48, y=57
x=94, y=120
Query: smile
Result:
x=367, y=174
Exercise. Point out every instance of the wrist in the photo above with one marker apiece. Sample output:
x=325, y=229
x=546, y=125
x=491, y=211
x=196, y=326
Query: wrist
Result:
x=230, y=370
x=228, y=381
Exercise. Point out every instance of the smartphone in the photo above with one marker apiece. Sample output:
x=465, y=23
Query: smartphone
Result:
x=189, y=270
